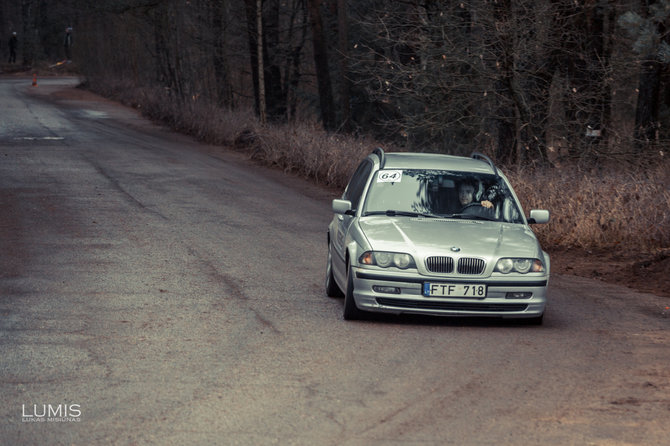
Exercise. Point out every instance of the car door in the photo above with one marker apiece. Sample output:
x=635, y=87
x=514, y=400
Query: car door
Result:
x=353, y=193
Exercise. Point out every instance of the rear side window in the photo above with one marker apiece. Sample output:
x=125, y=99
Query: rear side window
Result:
x=354, y=189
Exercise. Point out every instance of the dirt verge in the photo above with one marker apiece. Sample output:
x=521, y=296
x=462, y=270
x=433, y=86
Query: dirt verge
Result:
x=647, y=272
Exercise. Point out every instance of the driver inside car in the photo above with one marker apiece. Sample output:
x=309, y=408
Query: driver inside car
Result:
x=466, y=196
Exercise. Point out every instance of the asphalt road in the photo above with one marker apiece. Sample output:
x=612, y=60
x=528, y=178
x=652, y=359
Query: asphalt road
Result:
x=158, y=291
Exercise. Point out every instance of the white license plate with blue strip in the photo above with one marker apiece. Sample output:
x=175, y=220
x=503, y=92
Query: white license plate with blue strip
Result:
x=435, y=289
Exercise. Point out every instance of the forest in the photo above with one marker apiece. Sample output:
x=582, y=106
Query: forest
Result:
x=573, y=94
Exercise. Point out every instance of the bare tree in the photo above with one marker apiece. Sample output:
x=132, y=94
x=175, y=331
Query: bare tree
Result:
x=648, y=32
x=262, y=107
x=220, y=11
x=343, y=48
x=321, y=63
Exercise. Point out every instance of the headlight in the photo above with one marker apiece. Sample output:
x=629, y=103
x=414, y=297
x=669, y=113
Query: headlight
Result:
x=522, y=266
x=383, y=259
x=387, y=259
x=402, y=261
x=505, y=265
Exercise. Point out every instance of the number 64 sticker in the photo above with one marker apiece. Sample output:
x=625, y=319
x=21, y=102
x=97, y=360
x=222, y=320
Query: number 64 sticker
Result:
x=389, y=176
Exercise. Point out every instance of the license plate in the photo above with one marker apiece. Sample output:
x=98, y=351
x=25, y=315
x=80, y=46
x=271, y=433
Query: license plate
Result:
x=454, y=290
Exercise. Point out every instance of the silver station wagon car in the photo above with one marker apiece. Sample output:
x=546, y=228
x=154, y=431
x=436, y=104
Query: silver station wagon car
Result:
x=436, y=235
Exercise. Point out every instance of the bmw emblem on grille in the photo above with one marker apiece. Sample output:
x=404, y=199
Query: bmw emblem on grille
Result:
x=455, y=248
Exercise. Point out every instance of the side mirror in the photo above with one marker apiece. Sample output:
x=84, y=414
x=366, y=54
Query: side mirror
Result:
x=341, y=206
x=538, y=216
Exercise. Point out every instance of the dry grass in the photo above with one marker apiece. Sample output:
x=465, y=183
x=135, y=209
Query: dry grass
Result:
x=609, y=209
x=613, y=208
x=327, y=159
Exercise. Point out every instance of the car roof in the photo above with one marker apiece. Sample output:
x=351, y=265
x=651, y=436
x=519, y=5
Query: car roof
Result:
x=436, y=161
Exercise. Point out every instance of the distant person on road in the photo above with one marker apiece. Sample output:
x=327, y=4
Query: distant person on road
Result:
x=67, y=44
x=13, y=43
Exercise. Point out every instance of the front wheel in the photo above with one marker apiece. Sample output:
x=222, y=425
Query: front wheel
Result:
x=351, y=311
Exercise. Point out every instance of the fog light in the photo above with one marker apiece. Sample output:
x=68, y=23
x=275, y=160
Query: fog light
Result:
x=518, y=295
x=386, y=289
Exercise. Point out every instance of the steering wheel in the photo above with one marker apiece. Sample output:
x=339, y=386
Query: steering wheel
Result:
x=471, y=205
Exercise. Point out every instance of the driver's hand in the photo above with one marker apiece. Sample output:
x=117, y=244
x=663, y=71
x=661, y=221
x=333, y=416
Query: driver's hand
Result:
x=487, y=204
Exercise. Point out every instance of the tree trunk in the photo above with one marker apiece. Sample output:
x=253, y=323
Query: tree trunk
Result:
x=505, y=116
x=646, y=113
x=343, y=43
x=321, y=63
x=252, y=35
x=263, y=49
x=224, y=89
x=273, y=59
x=261, y=65
x=28, y=17
x=298, y=30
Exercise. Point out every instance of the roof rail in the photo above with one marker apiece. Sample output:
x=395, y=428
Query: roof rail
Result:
x=481, y=156
x=382, y=158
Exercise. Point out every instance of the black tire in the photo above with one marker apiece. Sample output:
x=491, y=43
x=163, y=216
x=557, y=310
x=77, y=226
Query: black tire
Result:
x=332, y=290
x=351, y=311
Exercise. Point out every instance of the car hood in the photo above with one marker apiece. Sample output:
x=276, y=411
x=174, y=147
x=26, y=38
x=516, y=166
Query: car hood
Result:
x=428, y=236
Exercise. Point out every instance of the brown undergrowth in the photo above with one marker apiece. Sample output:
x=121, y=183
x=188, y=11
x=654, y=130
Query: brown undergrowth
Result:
x=608, y=208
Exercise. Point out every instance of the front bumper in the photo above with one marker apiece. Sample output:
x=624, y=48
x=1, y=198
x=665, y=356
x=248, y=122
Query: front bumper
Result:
x=370, y=285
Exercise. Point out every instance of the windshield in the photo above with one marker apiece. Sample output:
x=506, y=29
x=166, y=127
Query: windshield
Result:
x=440, y=193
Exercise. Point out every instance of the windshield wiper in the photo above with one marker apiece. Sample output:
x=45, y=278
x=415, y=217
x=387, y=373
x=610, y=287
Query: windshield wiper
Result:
x=394, y=213
x=471, y=217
